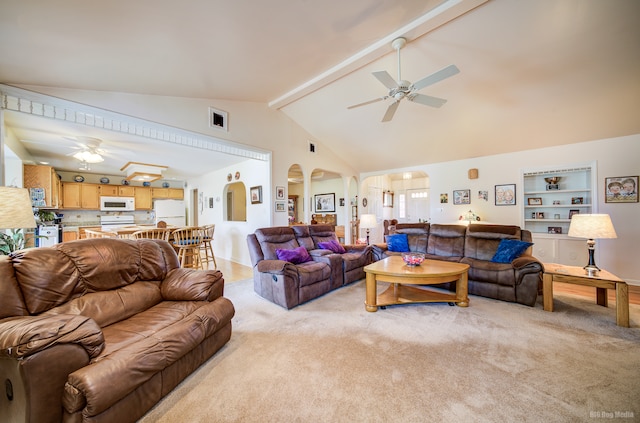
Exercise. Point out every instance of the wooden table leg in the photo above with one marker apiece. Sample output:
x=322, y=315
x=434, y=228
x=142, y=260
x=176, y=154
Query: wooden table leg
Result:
x=601, y=297
x=371, y=295
x=622, y=304
x=547, y=292
x=462, y=290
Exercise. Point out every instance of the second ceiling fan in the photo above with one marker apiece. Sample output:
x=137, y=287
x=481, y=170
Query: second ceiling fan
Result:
x=404, y=89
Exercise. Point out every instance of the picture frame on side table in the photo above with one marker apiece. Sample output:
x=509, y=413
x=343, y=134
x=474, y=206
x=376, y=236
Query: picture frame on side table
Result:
x=505, y=195
x=256, y=194
x=325, y=203
x=462, y=196
x=280, y=193
x=621, y=189
x=280, y=206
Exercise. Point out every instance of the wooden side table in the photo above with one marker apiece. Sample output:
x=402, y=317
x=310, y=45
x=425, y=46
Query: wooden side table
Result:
x=578, y=276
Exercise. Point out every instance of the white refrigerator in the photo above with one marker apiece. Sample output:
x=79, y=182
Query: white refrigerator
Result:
x=170, y=211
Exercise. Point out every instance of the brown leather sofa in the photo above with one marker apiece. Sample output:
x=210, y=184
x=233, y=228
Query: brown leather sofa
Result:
x=99, y=330
x=288, y=284
x=519, y=281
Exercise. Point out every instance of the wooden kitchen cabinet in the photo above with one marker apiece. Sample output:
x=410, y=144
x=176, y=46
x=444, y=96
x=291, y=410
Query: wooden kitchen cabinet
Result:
x=143, y=198
x=108, y=190
x=69, y=236
x=126, y=191
x=38, y=176
x=80, y=196
x=173, y=193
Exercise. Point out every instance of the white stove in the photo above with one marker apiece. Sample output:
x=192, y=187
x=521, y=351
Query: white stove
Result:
x=116, y=221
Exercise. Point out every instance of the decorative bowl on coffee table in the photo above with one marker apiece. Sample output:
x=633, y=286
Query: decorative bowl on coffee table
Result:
x=413, y=259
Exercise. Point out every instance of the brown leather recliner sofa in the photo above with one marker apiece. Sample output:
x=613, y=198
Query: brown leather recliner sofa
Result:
x=99, y=330
x=288, y=284
x=518, y=281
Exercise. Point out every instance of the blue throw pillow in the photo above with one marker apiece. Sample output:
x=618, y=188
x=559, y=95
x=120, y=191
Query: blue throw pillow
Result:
x=509, y=250
x=398, y=243
x=295, y=256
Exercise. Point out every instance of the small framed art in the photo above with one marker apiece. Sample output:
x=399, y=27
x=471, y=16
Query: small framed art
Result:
x=505, y=195
x=256, y=194
x=280, y=206
x=462, y=196
x=325, y=203
x=572, y=212
x=280, y=193
x=534, y=201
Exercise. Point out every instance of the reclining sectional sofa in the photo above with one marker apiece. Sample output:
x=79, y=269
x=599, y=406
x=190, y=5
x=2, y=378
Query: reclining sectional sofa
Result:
x=99, y=330
x=516, y=281
x=289, y=284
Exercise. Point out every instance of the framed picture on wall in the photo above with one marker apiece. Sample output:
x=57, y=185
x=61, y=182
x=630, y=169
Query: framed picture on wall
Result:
x=462, y=196
x=256, y=194
x=280, y=206
x=325, y=203
x=280, y=193
x=506, y=195
x=621, y=189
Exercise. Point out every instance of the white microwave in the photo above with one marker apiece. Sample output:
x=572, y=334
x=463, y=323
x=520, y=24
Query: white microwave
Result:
x=117, y=204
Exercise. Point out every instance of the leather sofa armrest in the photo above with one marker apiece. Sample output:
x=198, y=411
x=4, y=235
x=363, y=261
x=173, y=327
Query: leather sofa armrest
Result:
x=525, y=265
x=24, y=336
x=183, y=284
x=272, y=266
x=378, y=251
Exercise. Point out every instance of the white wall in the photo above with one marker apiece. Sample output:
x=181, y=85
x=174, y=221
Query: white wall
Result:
x=614, y=156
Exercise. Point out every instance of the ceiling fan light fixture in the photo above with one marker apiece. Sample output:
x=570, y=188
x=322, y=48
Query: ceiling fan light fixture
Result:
x=88, y=157
x=143, y=172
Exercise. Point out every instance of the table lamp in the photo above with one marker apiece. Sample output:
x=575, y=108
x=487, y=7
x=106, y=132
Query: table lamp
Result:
x=368, y=221
x=15, y=213
x=592, y=227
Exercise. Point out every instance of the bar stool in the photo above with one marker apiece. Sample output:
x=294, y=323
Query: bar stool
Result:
x=207, y=246
x=187, y=242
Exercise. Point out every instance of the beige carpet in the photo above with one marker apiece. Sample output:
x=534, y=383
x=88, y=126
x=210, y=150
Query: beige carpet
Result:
x=331, y=361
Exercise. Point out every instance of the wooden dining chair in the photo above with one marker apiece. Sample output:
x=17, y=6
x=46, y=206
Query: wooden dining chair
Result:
x=154, y=233
x=207, y=246
x=187, y=242
x=88, y=234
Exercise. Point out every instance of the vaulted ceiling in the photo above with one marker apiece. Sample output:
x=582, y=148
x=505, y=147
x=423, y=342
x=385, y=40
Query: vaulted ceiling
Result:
x=532, y=73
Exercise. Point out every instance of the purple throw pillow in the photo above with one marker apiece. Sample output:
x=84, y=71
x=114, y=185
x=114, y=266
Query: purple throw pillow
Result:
x=295, y=256
x=333, y=246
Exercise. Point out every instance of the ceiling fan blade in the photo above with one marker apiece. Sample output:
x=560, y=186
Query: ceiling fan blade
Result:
x=391, y=110
x=375, y=100
x=427, y=100
x=386, y=79
x=435, y=77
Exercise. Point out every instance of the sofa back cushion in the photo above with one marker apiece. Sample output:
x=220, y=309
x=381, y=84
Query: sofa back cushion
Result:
x=49, y=277
x=417, y=235
x=322, y=233
x=482, y=241
x=279, y=237
x=11, y=302
x=447, y=240
x=304, y=237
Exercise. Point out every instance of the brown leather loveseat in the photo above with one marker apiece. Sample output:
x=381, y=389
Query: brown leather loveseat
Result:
x=99, y=330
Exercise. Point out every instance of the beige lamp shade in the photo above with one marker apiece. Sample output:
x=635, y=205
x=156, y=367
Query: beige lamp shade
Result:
x=368, y=221
x=15, y=208
x=591, y=226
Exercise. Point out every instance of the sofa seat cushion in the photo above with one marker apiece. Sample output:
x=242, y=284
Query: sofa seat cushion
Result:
x=354, y=260
x=312, y=272
x=488, y=271
x=141, y=346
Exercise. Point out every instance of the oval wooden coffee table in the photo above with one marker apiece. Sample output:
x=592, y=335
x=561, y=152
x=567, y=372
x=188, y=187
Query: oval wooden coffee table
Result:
x=430, y=272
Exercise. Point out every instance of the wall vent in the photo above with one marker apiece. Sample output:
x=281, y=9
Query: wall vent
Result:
x=218, y=119
x=312, y=147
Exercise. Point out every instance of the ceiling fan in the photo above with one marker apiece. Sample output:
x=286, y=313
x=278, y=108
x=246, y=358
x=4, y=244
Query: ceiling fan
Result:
x=89, y=151
x=404, y=89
